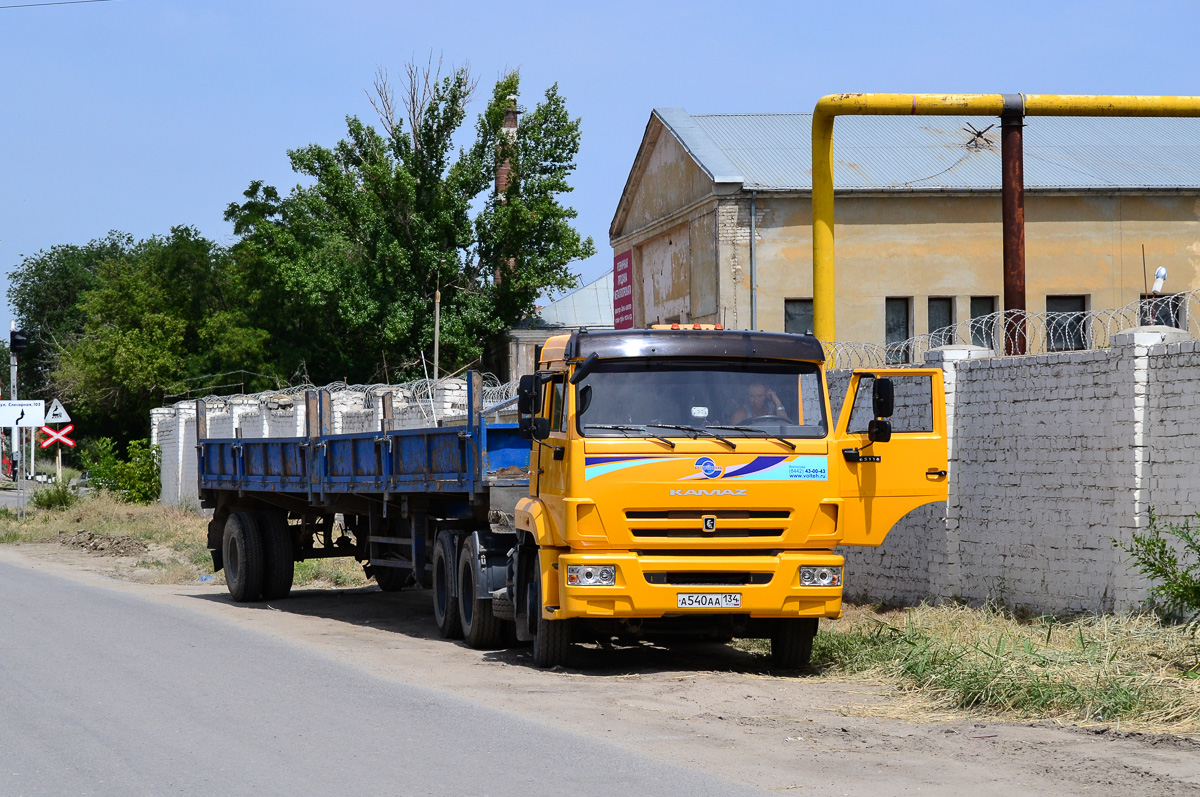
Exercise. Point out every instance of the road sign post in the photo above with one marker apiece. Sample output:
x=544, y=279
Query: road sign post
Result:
x=59, y=436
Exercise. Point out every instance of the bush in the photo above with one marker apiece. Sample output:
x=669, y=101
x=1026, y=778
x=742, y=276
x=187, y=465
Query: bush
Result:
x=57, y=496
x=135, y=480
x=1171, y=558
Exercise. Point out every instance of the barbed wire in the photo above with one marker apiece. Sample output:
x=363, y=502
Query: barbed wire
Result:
x=1034, y=333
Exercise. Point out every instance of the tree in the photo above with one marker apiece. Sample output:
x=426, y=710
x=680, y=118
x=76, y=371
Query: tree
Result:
x=351, y=262
x=44, y=291
x=170, y=308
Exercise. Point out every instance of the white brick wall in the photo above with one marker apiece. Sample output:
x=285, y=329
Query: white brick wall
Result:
x=1053, y=459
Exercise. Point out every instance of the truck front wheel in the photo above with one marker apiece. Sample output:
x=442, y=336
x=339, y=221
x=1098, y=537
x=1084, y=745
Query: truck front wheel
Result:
x=552, y=639
x=445, y=605
x=242, y=550
x=792, y=643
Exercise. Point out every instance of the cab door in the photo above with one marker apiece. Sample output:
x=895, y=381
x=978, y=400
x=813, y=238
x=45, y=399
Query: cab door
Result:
x=881, y=482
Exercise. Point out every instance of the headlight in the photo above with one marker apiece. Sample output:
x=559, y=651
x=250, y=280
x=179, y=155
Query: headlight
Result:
x=820, y=576
x=591, y=575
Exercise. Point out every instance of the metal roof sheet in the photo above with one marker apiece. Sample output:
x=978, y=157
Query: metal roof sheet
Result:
x=588, y=306
x=774, y=151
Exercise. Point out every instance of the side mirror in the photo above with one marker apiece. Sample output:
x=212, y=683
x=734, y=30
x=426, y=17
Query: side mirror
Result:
x=879, y=431
x=585, y=399
x=883, y=399
x=584, y=368
x=529, y=398
x=539, y=428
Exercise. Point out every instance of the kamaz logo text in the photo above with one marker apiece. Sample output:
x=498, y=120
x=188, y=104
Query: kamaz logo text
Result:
x=707, y=492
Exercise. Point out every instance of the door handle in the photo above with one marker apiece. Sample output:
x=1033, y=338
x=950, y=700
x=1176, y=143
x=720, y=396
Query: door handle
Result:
x=935, y=472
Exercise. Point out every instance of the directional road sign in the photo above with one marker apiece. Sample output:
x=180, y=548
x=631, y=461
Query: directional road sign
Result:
x=22, y=413
x=57, y=413
x=57, y=437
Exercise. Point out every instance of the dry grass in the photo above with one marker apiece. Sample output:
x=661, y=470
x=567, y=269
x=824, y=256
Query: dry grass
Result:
x=1129, y=670
x=176, y=537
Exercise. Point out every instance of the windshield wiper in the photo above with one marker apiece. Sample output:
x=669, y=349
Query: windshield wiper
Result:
x=762, y=432
x=696, y=432
x=627, y=429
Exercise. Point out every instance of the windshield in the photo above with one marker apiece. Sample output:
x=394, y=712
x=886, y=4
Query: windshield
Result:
x=620, y=397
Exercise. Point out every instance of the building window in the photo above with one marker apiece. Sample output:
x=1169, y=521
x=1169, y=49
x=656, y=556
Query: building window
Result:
x=898, y=326
x=1167, y=311
x=941, y=319
x=983, y=329
x=797, y=316
x=1066, y=323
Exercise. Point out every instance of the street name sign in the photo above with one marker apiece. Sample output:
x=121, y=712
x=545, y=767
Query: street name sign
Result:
x=23, y=414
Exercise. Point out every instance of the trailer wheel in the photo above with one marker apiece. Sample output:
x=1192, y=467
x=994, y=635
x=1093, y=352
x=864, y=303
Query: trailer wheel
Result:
x=242, y=551
x=445, y=605
x=792, y=643
x=279, y=555
x=552, y=639
x=480, y=628
x=391, y=579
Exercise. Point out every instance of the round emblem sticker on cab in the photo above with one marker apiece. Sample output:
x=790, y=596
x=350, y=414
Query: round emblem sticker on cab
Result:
x=709, y=468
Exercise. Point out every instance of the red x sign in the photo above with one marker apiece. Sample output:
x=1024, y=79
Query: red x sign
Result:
x=57, y=437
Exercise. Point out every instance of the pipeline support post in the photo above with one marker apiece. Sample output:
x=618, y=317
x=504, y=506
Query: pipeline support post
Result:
x=1012, y=201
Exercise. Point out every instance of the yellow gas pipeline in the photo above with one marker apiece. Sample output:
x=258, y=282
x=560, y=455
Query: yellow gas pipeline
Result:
x=836, y=105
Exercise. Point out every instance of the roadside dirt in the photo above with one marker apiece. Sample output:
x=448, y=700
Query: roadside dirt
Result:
x=708, y=707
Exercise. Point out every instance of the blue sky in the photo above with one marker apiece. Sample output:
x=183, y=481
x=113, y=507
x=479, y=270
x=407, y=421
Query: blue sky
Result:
x=137, y=115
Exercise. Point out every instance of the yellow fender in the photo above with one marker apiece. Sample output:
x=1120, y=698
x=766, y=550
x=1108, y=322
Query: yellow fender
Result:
x=531, y=515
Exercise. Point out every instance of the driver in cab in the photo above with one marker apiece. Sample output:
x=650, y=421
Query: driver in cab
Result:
x=760, y=401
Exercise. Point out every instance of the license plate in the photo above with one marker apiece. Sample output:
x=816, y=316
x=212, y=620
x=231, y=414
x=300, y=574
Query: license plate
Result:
x=709, y=600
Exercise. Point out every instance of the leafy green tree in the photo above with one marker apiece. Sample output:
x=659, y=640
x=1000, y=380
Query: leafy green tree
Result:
x=349, y=265
x=170, y=308
x=44, y=291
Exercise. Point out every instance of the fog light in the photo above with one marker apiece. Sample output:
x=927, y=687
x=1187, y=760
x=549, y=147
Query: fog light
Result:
x=591, y=575
x=820, y=576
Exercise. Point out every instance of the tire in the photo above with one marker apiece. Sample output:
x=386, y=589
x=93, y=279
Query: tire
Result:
x=391, y=579
x=445, y=606
x=552, y=639
x=279, y=555
x=242, y=550
x=792, y=643
x=480, y=628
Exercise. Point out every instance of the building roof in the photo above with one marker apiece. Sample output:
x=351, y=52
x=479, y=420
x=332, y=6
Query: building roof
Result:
x=590, y=306
x=773, y=152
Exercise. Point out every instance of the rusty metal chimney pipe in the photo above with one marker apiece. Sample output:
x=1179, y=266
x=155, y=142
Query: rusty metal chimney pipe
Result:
x=1012, y=201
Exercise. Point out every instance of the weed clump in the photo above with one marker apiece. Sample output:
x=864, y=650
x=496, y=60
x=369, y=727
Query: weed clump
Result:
x=1169, y=557
x=1093, y=669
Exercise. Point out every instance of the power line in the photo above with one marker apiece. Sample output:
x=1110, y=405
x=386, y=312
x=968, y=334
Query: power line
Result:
x=55, y=3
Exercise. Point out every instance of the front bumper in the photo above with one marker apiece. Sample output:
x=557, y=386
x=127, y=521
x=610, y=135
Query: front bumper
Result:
x=636, y=596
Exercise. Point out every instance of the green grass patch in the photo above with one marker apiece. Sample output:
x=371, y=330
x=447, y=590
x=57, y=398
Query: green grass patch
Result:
x=1131, y=669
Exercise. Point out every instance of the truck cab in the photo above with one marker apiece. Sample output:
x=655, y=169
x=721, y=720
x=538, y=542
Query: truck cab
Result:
x=696, y=480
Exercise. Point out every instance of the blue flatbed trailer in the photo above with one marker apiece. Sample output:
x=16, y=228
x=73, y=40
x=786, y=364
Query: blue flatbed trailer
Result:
x=383, y=497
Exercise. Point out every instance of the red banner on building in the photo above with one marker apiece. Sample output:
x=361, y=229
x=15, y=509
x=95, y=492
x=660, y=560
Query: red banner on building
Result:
x=623, y=290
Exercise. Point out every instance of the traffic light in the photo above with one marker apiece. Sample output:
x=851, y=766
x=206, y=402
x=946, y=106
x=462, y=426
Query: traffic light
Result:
x=17, y=342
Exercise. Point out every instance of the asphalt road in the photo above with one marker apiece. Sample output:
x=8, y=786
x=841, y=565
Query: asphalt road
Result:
x=103, y=693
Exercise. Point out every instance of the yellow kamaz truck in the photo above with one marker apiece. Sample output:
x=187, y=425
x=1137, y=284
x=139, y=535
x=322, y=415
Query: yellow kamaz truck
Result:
x=686, y=480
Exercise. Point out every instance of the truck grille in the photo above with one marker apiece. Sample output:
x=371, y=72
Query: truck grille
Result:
x=689, y=523
x=708, y=579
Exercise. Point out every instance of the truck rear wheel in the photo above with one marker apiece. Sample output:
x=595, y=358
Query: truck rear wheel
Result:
x=445, y=605
x=242, y=550
x=480, y=628
x=552, y=638
x=279, y=555
x=792, y=643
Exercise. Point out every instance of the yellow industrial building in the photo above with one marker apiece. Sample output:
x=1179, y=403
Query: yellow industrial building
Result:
x=918, y=219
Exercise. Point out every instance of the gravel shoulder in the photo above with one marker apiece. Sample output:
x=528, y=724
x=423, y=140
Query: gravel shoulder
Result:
x=710, y=707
